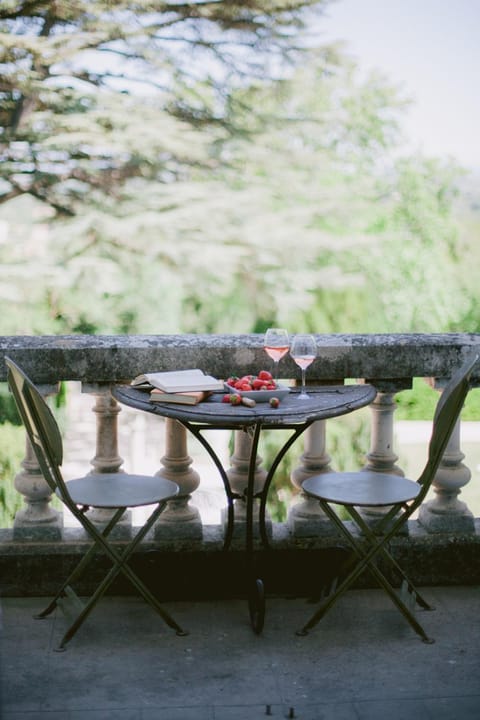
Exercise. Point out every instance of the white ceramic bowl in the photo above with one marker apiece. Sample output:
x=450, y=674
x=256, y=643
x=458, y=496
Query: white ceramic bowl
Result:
x=260, y=395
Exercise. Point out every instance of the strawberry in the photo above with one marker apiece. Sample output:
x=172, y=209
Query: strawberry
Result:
x=226, y=398
x=258, y=384
x=235, y=399
x=247, y=378
x=264, y=375
x=274, y=402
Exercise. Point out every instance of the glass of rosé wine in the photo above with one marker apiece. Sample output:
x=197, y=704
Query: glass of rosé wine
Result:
x=276, y=344
x=304, y=351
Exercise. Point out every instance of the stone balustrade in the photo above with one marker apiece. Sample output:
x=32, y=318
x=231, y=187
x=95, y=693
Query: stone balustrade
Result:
x=389, y=362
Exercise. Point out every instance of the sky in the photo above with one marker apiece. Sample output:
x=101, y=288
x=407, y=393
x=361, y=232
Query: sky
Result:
x=431, y=50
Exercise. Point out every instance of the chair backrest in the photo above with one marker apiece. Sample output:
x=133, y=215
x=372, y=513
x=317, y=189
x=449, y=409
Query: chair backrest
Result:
x=447, y=413
x=40, y=424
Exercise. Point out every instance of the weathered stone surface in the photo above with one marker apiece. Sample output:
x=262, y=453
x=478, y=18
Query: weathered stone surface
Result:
x=181, y=569
x=98, y=359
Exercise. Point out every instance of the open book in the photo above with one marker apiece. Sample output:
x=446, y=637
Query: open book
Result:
x=178, y=381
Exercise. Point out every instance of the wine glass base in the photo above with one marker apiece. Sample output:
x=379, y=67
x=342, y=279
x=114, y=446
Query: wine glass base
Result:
x=303, y=396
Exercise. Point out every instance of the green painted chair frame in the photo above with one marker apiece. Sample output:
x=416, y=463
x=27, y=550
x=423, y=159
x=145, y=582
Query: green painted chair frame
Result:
x=114, y=491
x=400, y=497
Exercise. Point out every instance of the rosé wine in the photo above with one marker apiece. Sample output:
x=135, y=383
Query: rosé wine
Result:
x=276, y=353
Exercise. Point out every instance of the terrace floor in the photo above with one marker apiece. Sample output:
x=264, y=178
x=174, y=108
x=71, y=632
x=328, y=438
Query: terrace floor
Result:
x=361, y=662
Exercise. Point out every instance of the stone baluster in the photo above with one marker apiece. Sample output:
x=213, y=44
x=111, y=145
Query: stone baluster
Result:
x=37, y=520
x=106, y=409
x=381, y=457
x=305, y=516
x=238, y=478
x=180, y=519
x=445, y=512
x=106, y=458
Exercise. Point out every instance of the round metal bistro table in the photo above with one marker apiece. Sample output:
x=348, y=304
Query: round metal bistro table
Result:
x=292, y=414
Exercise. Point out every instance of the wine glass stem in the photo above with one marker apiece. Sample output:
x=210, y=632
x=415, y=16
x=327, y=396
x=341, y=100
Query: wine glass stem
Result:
x=275, y=370
x=303, y=381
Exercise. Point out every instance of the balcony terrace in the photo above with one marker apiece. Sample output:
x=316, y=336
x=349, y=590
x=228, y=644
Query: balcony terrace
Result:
x=362, y=661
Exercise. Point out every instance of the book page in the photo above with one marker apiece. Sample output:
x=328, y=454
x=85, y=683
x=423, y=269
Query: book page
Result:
x=182, y=380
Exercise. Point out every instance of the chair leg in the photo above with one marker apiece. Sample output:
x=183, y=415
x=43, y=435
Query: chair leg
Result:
x=120, y=562
x=79, y=569
x=382, y=551
x=120, y=565
x=365, y=560
x=384, y=528
x=402, y=607
x=100, y=591
x=326, y=587
x=344, y=586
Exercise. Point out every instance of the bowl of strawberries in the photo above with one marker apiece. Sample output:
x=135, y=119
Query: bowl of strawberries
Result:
x=261, y=387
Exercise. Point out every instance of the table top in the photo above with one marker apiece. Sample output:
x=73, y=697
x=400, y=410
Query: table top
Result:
x=324, y=402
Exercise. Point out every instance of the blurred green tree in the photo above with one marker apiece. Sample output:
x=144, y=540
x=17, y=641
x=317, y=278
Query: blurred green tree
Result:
x=96, y=92
x=234, y=196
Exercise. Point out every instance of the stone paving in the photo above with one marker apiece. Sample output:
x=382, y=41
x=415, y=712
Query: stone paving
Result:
x=362, y=662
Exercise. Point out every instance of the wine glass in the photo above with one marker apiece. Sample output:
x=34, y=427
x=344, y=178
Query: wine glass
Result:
x=303, y=350
x=276, y=344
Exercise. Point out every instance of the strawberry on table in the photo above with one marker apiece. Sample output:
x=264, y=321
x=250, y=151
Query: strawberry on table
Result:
x=258, y=384
x=247, y=383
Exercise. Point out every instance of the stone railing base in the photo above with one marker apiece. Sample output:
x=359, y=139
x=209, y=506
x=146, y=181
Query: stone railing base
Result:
x=185, y=569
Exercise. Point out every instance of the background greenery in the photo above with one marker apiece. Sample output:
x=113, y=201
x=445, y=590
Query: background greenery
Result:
x=12, y=451
x=216, y=157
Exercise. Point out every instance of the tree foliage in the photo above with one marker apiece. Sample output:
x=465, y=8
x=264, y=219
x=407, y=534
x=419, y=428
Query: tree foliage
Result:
x=95, y=92
x=230, y=196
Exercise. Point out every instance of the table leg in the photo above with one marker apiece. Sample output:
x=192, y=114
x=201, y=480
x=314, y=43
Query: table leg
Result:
x=256, y=604
x=231, y=496
x=256, y=593
x=268, y=480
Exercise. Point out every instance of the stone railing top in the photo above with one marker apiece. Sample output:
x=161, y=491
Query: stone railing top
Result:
x=117, y=358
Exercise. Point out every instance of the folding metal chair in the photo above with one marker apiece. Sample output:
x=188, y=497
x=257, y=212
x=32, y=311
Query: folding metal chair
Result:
x=115, y=491
x=401, y=498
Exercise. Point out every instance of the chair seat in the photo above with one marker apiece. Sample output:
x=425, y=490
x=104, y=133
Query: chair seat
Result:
x=115, y=490
x=361, y=488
